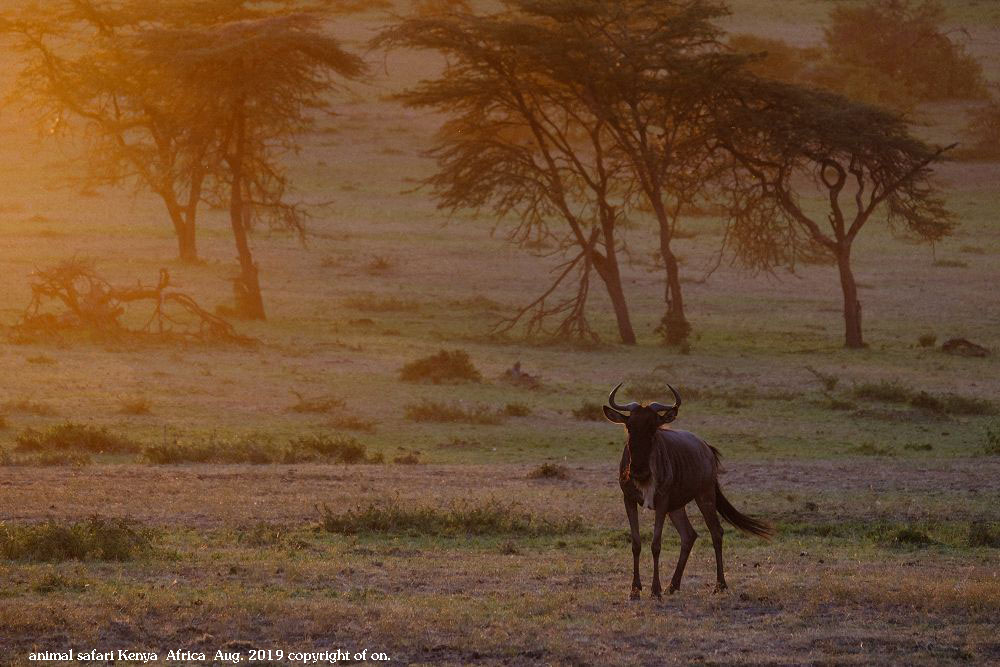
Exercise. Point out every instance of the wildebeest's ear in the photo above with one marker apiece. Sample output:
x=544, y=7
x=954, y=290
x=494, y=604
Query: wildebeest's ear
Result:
x=614, y=416
x=668, y=416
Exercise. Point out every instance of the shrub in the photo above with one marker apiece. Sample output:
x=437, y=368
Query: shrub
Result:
x=335, y=449
x=454, y=366
x=981, y=535
x=486, y=518
x=351, y=423
x=317, y=404
x=549, y=471
x=839, y=404
x=407, y=459
x=28, y=406
x=909, y=535
x=434, y=411
x=927, y=340
x=992, y=441
x=869, y=449
x=967, y=405
x=516, y=410
x=589, y=411
x=96, y=538
x=50, y=582
x=924, y=401
x=883, y=390
x=137, y=405
x=73, y=436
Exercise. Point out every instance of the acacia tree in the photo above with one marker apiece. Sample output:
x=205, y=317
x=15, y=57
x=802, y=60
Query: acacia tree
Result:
x=84, y=79
x=796, y=149
x=258, y=82
x=648, y=71
x=516, y=142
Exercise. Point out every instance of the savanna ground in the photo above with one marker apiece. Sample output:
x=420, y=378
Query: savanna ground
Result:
x=888, y=512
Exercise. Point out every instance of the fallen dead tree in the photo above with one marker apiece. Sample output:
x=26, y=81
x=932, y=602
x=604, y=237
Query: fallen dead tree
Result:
x=72, y=298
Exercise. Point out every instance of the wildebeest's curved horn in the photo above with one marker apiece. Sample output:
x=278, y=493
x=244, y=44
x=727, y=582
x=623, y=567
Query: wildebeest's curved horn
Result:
x=611, y=401
x=660, y=407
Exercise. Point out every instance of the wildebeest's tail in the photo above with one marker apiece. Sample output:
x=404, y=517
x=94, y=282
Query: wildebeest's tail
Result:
x=747, y=524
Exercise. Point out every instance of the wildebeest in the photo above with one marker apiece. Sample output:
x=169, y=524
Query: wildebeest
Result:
x=664, y=469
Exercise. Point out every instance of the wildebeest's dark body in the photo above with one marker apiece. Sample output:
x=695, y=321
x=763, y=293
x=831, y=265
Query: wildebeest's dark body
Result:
x=665, y=469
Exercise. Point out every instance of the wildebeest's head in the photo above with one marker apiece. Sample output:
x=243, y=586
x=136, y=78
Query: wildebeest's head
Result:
x=641, y=423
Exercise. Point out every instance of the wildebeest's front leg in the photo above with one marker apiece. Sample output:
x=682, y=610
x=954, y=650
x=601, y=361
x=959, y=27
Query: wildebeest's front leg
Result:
x=683, y=525
x=632, y=510
x=661, y=514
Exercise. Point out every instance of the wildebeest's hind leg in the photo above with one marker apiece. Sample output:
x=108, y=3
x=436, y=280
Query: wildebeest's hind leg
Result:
x=632, y=510
x=661, y=514
x=706, y=503
x=683, y=525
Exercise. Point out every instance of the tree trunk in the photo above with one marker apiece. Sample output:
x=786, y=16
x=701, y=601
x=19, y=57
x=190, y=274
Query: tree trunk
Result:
x=250, y=304
x=852, y=307
x=187, y=248
x=607, y=269
x=674, y=324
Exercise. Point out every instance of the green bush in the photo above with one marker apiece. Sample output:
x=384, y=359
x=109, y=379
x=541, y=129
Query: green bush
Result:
x=73, y=436
x=454, y=366
x=96, y=538
x=883, y=390
x=992, y=442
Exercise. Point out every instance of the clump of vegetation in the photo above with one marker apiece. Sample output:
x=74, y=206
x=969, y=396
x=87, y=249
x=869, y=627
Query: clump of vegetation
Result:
x=517, y=410
x=407, y=459
x=927, y=340
x=589, y=411
x=315, y=404
x=982, y=535
x=840, y=404
x=378, y=265
x=951, y=263
x=434, y=411
x=883, y=390
x=261, y=449
x=912, y=536
x=135, y=405
x=445, y=366
x=51, y=581
x=485, y=518
x=29, y=407
x=70, y=436
x=48, y=459
x=549, y=471
x=264, y=534
x=925, y=447
x=41, y=359
x=351, y=423
x=893, y=392
x=96, y=538
x=991, y=445
x=868, y=449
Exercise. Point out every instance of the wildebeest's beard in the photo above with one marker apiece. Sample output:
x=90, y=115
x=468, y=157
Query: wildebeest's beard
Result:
x=641, y=430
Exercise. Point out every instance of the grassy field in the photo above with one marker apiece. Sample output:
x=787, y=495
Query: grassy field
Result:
x=452, y=550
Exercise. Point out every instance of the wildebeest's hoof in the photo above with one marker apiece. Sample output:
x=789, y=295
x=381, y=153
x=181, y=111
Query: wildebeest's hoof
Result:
x=721, y=587
x=673, y=589
x=634, y=594
x=657, y=595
